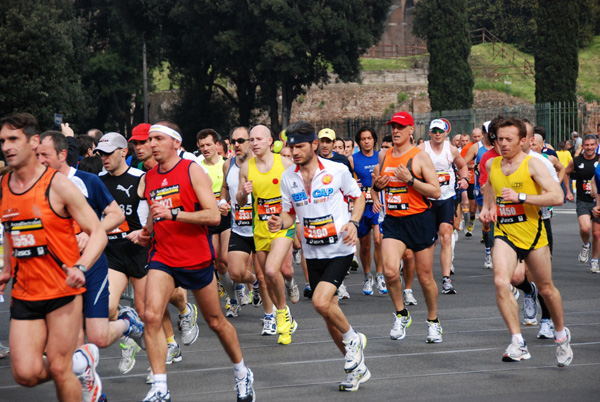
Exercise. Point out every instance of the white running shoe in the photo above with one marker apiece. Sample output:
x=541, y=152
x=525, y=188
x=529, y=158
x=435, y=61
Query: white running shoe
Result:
x=233, y=310
x=381, y=287
x=269, y=325
x=354, y=264
x=409, y=298
x=150, y=376
x=447, y=287
x=154, y=395
x=398, y=331
x=343, y=292
x=128, y=351
x=355, y=352
x=189, y=325
x=173, y=353
x=242, y=294
x=368, y=286
x=584, y=254
x=594, y=268
x=434, y=332
x=530, y=308
x=355, y=378
x=297, y=256
x=488, y=262
x=546, y=329
x=515, y=352
x=90, y=380
x=515, y=292
x=245, y=388
x=564, y=353
x=4, y=351
x=293, y=292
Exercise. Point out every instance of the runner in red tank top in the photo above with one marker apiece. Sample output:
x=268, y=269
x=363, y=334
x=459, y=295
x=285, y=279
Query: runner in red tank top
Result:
x=38, y=207
x=407, y=177
x=182, y=205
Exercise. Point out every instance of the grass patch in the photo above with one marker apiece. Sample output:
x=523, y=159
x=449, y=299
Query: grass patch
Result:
x=400, y=63
x=588, y=82
x=160, y=78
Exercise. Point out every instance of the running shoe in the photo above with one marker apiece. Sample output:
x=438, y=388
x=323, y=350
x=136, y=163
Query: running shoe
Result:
x=221, y=289
x=227, y=302
x=154, y=395
x=297, y=256
x=342, y=292
x=594, y=268
x=584, y=254
x=447, y=287
x=150, y=376
x=515, y=352
x=136, y=326
x=488, y=262
x=546, y=329
x=288, y=328
x=269, y=325
x=564, y=353
x=515, y=292
x=469, y=230
x=243, y=297
x=434, y=332
x=355, y=352
x=409, y=299
x=173, y=353
x=354, y=264
x=381, y=287
x=355, y=378
x=398, y=331
x=284, y=321
x=233, y=310
x=455, y=234
x=256, y=299
x=530, y=307
x=128, y=351
x=368, y=286
x=308, y=291
x=245, y=388
x=293, y=292
x=189, y=325
x=4, y=351
x=90, y=380
x=452, y=269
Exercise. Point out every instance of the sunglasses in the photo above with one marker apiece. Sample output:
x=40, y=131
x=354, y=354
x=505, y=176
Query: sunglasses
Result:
x=437, y=131
x=238, y=141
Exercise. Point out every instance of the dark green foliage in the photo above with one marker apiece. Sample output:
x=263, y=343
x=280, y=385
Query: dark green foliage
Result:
x=556, y=58
x=43, y=59
x=444, y=25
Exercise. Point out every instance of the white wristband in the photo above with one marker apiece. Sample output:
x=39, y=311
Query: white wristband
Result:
x=221, y=202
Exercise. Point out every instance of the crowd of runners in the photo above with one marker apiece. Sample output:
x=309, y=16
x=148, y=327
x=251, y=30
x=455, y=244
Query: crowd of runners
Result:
x=89, y=217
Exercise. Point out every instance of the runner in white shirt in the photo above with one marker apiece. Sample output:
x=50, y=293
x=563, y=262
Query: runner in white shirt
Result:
x=314, y=190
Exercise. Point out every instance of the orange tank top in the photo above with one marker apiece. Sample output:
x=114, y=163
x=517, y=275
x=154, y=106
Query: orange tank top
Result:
x=400, y=198
x=41, y=242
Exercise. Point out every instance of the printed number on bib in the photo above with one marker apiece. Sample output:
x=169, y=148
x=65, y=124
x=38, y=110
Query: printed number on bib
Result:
x=243, y=215
x=443, y=178
x=320, y=231
x=394, y=198
x=510, y=213
x=587, y=187
x=27, y=238
x=367, y=193
x=267, y=207
x=167, y=196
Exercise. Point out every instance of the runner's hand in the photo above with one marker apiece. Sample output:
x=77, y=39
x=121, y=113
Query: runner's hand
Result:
x=224, y=208
x=510, y=195
x=75, y=278
x=380, y=182
x=158, y=210
x=596, y=212
x=4, y=278
x=487, y=216
x=351, y=237
x=403, y=173
x=82, y=240
x=248, y=187
x=143, y=238
x=570, y=197
x=134, y=236
x=274, y=223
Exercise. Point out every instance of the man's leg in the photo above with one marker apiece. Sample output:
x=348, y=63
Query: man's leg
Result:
x=585, y=226
x=445, y=234
x=326, y=304
x=392, y=252
x=117, y=282
x=273, y=262
x=237, y=262
x=505, y=264
x=424, y=268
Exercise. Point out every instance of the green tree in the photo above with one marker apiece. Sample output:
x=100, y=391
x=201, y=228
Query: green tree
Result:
x=556, y=57
x=450, y=79
x=43, y=58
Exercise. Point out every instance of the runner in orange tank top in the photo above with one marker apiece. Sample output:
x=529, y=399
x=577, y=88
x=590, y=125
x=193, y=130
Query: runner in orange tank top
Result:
x=407, y=177
x=38, y=206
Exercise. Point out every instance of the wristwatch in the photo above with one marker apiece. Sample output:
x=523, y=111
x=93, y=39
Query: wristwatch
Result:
x=80, y=267
x=411, y=181
x=355, y=223
x=522, y=197
x=174, y=213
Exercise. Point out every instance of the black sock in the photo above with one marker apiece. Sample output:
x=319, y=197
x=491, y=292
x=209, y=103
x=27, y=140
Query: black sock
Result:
x=403, y=313
x=525, y=286
x=471, y=218
x=436, y=320
x=545, y=311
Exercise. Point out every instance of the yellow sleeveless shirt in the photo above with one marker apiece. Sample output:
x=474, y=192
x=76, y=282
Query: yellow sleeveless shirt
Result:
x=266, y=195
x=215, y=172
x=520, y=223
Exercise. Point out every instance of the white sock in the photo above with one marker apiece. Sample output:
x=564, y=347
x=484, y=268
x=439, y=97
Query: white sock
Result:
x=80, y=363
x=518, y=338
x=559, y=336
x=351, y=334
x=240, y=370
x=289, y=284
x=160, y=383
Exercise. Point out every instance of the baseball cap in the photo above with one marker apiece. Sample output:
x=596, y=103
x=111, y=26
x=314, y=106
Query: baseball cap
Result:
x=110, y=142
x=327, y=133
x=437, y=123
x=140, y=132
x=402, y=118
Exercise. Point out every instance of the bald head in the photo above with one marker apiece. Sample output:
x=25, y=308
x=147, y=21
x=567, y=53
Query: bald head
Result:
x=537, y=143
x=477, y=134
x=260, y=139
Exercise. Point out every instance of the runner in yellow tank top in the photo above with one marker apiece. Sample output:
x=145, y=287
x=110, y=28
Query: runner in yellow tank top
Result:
x=261, y=176
x=521, y=186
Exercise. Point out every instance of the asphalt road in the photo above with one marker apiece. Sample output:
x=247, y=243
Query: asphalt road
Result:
x=467, y=366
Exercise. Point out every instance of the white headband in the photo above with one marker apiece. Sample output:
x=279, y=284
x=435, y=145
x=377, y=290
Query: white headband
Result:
x=166, y=130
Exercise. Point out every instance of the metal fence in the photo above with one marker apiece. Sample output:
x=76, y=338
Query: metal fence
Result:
x=558, y=118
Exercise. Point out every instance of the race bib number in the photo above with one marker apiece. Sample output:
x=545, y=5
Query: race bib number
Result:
x=320, y=231
x=27, y=238
x=243, y=215
x=119, y=232
x=167, y=196
x=367, y=194
x=587, y=186
x=443, y=178
x=508, y=213
x=267, y=207
x=394, y=198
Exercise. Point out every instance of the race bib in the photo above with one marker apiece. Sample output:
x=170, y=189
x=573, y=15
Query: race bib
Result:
x=508, y=213
x=587, y=186
x=120, y=232
x=243, y=215
x=394, y=198
x=167, y=196
x=27, y=238
x=367, y=194
x=267, y=207
x=320, y=231
x=443, y=178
